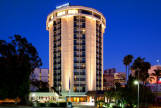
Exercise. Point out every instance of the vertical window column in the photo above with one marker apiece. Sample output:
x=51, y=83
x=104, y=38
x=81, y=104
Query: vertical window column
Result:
x=57, y=54
x=79, y=54
x=98, y=55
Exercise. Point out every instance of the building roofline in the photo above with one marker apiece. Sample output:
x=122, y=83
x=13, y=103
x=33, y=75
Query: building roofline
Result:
x=53, y=13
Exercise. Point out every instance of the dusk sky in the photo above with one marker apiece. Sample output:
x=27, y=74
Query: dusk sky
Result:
x=133, y=27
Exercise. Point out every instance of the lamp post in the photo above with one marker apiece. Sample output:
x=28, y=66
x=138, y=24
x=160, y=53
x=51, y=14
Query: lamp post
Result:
x=136, y=82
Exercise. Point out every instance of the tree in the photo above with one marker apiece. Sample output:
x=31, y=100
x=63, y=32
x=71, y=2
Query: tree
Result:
x=128, y=94
x=127, y=60
x=140, y=68
x=146, y=95
x=40, y=85
x=18, y=58
x=117, y=85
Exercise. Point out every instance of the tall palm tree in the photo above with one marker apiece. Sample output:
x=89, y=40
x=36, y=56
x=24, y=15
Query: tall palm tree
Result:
x=141, y=68
x=145, y=75
x=127, y=60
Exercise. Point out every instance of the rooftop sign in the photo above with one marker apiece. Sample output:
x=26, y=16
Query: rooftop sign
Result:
x=63, y=5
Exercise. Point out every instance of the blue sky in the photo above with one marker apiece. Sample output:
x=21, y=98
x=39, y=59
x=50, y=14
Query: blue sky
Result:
x=133, y=26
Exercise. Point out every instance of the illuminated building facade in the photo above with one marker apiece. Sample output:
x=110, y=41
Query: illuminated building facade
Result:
x=120, y=77
x=151, y=71
x=76, y=49
x=108, y=78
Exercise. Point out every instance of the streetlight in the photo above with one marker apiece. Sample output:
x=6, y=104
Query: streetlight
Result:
x=136, y=82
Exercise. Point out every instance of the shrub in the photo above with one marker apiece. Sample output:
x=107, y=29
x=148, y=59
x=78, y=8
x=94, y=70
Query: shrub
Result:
x=62, y=104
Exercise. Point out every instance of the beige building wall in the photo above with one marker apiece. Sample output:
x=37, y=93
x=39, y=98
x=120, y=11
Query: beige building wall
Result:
x=91, y=53
x=50, y=56
x=67, y=52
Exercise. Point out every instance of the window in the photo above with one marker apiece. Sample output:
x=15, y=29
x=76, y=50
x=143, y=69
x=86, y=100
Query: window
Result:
x=75, y=24
x=82, y=73
x=82, y=79
x=61, y=13
x=83, y=20
x=54, y=28
x=86, y=12
x=72, y=11
x=75, y=31
x=54, y=23
x=83, y=89
x=75, y=18
x=97, y=16
x=83, y=42
x=75, y=41
x=83, y=36
x=83, y=54
x=83, y=25
x=76, y=73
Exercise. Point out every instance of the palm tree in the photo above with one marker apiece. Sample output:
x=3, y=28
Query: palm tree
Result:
x=141, y=68
x=127, y=60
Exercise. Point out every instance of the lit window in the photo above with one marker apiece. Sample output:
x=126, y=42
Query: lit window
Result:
x=61, y=13
x=83, y=30
x=72, y=11
x=51, y=17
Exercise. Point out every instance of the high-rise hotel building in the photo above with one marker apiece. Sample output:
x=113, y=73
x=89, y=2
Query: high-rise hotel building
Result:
x=76, y=49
